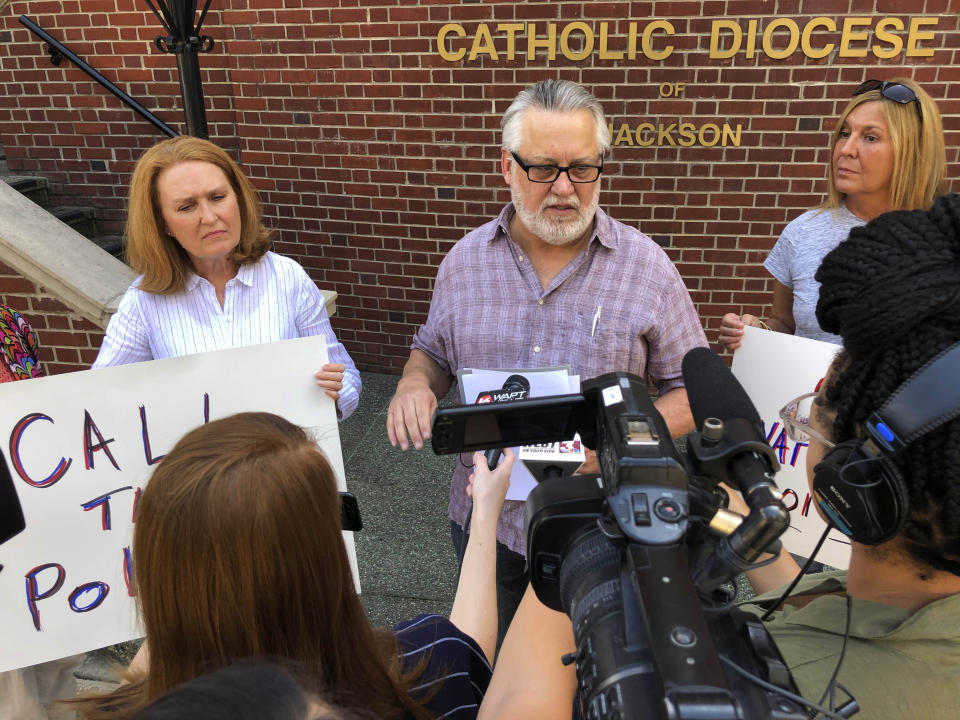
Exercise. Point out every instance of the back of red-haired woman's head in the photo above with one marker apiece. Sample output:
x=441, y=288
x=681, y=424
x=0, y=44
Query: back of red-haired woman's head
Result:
x=238, y=552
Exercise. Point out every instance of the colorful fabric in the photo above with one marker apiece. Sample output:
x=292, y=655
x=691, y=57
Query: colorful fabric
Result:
x=19, y=348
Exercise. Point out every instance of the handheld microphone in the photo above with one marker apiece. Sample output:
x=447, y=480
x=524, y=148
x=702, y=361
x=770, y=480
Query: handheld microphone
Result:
x=515, y=387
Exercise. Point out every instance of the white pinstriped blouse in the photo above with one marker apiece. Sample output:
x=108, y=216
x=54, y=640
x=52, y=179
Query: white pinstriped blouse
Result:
x=272, y=299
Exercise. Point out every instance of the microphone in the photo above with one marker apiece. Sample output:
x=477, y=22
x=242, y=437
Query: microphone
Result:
x=730, y=445
x=714, y=393
x=515, y=387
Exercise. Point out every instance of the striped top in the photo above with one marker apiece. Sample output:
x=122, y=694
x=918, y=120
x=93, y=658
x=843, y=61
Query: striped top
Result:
x=272, y=299
x=456, y=664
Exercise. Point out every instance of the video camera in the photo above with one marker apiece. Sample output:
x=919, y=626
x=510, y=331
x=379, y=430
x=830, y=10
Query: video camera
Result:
x=640, y=555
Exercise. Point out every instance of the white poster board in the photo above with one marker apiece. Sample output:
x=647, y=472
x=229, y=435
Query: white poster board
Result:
x=102, y=428
x=774, y=368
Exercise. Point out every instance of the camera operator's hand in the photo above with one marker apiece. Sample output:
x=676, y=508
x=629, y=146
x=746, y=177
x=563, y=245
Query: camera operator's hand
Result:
x=735, y=500
x=770, y=576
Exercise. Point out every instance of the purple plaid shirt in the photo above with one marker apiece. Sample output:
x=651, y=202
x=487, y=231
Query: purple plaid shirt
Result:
x=489, y=311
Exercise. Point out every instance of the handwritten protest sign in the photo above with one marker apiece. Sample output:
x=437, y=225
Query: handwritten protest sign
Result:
x=774, y=368
x=81, y=448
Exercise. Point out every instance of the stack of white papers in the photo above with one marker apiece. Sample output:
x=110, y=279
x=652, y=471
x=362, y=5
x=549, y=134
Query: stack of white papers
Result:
x=476, y=382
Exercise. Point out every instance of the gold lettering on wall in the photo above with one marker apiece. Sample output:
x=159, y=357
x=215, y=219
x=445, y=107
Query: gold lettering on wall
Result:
x=576, y=41
x=683, y=134
x=727, y=37
x=777, y=38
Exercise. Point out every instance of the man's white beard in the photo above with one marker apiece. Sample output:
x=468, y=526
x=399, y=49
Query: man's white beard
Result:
x=558, y=231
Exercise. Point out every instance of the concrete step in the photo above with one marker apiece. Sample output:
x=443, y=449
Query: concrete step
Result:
x=113, y=244
x=81, y=219
x=35, y=187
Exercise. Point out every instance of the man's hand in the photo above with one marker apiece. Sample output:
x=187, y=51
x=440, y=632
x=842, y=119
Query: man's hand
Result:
x=330, y=378
x=411, y=409
x=410, y=413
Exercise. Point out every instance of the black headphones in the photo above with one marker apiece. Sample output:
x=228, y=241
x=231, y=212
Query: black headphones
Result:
x=856, y=484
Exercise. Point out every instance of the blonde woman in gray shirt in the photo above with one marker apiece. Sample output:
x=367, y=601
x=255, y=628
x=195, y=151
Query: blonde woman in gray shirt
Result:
x=888, y=154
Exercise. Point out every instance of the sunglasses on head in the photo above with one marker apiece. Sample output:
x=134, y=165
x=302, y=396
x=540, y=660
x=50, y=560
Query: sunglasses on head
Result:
x=894, y=91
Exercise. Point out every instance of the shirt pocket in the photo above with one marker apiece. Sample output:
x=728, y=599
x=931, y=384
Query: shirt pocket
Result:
x=603, y=344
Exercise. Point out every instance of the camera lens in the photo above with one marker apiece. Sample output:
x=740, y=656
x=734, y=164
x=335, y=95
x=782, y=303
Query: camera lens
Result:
x=614, y=674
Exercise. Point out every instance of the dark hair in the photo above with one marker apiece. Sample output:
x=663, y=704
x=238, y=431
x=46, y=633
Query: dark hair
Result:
x=244, y=513
x=238, y=692
x=248, y=690
x=892, y=292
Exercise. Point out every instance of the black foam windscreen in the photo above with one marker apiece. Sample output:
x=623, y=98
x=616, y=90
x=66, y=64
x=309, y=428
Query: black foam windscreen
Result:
x=516, y=382
x=713, y=391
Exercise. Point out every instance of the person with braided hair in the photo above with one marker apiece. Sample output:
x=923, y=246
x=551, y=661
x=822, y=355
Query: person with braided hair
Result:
x=888, y=154
x=892, y=293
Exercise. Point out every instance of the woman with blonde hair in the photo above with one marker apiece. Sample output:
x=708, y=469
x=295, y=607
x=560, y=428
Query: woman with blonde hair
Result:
x=238, y=554
x=208, y=280
x=888, y=154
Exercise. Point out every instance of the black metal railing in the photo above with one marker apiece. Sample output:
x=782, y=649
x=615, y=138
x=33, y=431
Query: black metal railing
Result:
x=58, y=51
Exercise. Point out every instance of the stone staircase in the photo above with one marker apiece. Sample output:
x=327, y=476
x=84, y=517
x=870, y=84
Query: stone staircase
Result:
x=81, y=219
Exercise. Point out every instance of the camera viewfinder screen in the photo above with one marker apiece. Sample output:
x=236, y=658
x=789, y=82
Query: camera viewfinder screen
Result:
x=523, y=422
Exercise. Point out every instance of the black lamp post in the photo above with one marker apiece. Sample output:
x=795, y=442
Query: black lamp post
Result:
x=184, y=40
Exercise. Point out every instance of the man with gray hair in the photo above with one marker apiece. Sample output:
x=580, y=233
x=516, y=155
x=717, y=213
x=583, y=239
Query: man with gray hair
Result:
x=552, y=281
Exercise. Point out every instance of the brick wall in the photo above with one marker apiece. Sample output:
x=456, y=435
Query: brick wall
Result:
x=68, y=342
x=374, y=154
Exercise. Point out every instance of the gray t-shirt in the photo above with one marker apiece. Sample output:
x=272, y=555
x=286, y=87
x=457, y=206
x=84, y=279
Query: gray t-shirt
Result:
x=797, y=255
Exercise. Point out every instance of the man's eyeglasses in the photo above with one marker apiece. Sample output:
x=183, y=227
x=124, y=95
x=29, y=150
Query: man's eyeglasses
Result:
x=550, y=173
x=894, y=91
x=795, y=416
